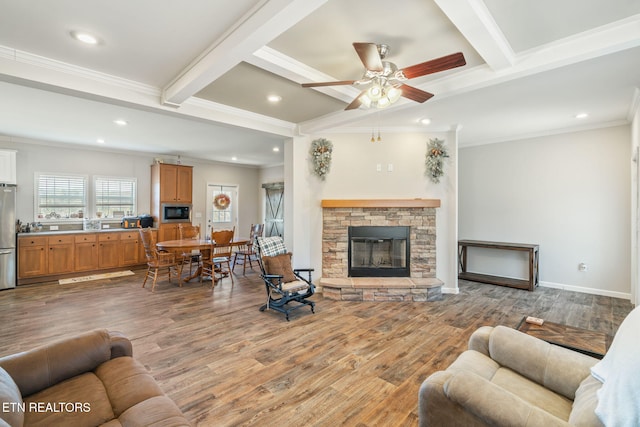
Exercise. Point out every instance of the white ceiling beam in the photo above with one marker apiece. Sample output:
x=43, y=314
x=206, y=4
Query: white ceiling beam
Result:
x=474, y=21
x=257, y=28
x=284, y=66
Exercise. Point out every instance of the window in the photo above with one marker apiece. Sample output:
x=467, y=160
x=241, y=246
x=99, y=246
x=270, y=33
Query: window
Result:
x=115, y=197
x=60, y=196
x=222, y=213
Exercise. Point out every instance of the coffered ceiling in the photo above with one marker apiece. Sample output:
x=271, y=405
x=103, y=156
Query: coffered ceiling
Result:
x=192, y=78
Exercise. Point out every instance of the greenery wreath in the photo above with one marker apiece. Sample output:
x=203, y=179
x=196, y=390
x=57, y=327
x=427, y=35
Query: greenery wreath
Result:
x=436, y=152
x=321, y=156
x=221, y=201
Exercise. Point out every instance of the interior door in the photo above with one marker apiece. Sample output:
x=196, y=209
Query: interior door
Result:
x=274, y=209
x=222, y=207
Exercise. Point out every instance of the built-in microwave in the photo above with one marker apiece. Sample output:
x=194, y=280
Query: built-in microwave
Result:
x=175, y=212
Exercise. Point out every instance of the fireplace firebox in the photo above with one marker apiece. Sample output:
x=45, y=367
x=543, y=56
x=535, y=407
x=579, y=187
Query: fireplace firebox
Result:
x=379, y=251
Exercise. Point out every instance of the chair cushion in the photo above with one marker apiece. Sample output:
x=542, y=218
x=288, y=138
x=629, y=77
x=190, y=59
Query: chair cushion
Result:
x=280, y=265
x=10, y=398
x=271, y=246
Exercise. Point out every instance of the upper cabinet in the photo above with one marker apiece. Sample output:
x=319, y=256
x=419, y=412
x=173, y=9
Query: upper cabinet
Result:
x=7, y=167
x=175, y=182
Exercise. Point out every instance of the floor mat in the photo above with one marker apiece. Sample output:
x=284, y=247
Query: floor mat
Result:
x=96, y=277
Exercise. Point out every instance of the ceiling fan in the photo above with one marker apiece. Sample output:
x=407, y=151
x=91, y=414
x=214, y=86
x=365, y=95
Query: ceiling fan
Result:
x=386, y=81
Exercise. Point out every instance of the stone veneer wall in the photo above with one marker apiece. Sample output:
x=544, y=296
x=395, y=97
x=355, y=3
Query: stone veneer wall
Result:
x=335, y=223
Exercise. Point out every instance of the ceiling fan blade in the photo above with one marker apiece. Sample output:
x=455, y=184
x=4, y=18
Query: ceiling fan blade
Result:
x=341, y=82
x=435, y=65
x=415, y=94
x=356, y=102
x=369, y=55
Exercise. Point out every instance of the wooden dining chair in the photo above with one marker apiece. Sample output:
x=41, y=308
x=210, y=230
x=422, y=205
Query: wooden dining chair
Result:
x=218, y=265
x=247, y=253
x=189, y=232
x=157, y=260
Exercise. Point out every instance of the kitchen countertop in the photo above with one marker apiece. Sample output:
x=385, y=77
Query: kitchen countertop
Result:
x=57, y=232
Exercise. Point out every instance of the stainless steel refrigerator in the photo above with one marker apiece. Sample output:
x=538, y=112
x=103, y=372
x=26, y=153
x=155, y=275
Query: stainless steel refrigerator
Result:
x=7, y=236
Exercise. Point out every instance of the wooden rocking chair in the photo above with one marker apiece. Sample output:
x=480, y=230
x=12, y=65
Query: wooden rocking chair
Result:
x=284, y=284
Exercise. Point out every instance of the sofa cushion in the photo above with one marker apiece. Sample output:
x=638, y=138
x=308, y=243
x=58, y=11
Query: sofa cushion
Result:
x=618, y=371
x=584, y=406
x=11, y=399
x=533, y=393
x=127, y=383
x=559, y=369
x=478, y=363
x=156, y=411
x=79, y=401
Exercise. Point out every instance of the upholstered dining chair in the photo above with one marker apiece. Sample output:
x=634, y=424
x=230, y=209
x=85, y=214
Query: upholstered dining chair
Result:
x=157, y=260
x=219, y=263
x=188, y=231
x=247, y=253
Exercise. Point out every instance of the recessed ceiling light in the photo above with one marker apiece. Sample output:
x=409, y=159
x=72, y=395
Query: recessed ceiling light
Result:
x=276, y=149
x=100, y=141
x=84, y=37
x=425, y=121
x=580, y=116
x=274, y=98
x=121, y=122
x=234, y=158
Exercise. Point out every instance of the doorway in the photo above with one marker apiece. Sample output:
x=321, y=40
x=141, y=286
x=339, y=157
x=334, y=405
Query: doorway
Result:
x=222, y=207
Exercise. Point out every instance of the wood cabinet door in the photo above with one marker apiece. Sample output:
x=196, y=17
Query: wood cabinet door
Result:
x=108, y=246
x=167, y=232
x=184, y=186
x=129, y=248
x=86, y=252
x=168, y=183
x=32, y=260
x=60, y=254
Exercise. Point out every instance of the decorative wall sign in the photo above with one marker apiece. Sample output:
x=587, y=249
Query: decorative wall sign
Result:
x=436, y=152
x=321, y=156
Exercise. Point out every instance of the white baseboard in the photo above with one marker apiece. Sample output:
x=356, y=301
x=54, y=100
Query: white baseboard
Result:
x=450, y=290
x=584, y=290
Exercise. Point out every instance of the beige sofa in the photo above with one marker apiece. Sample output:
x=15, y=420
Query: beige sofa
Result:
x=508, y=378
x=87, y=380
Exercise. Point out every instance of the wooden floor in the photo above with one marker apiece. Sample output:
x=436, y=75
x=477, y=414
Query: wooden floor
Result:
x=227, y=364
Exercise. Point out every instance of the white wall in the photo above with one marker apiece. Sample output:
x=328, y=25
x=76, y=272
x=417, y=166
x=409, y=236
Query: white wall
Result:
x=570, y=193
x=635, y=202
x=47, y=157
x=354, y=175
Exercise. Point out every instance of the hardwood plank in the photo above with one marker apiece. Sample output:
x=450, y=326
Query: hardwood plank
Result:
x=225, y=363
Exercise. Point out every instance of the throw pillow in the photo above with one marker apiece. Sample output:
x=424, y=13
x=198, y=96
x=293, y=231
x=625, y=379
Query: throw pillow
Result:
x=280, y=265
x=618, y=371
x=10, y=400
x=271, y=246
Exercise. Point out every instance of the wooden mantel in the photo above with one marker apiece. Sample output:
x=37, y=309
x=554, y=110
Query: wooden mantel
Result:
x=381, y=203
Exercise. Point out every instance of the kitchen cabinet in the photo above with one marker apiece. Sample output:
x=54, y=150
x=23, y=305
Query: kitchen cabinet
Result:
x=86, y=252
x=7, y=166
x=108, y=246
x=43, y=258
x=129, y=248
x=32, y=256
x=168, y=232
x=175, y=182
x=60, y=255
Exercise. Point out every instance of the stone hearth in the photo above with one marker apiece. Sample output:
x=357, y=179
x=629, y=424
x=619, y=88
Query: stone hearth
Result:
x=419, y=214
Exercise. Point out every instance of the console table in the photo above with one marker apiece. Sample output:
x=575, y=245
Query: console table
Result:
x=533, y=251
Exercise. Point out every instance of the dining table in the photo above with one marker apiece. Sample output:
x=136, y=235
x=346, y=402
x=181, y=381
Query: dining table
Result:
x=181, y=246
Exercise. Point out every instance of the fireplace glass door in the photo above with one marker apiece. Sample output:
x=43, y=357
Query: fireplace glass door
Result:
x=379, y=251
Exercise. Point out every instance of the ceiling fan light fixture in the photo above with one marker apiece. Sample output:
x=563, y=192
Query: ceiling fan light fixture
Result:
x=375, y=92
x=383, y=102
x=394, y=94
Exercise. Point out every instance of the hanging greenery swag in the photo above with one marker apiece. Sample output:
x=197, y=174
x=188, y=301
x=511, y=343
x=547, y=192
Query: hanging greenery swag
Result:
x=436, y=153
x=321, y=150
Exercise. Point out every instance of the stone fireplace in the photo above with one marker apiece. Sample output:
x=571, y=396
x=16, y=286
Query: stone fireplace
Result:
x=417, y=216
